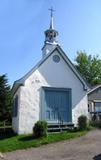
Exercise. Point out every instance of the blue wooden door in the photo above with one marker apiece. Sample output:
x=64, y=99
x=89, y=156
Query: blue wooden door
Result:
x=57, y=104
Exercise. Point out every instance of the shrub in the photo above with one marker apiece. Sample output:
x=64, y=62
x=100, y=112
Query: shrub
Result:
x=92, y=123
x=96, y=123
x=40, y=129
x=82, y=122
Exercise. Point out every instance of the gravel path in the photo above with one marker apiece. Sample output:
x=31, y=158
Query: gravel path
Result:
x=84, y=148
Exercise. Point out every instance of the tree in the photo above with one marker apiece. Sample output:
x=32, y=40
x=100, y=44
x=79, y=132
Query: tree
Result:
x=5, y=99
x=89, y=67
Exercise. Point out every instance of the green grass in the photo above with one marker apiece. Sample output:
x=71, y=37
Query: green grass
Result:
x=27, y=141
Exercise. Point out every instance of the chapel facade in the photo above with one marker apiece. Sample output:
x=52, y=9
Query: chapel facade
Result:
x=53, y=90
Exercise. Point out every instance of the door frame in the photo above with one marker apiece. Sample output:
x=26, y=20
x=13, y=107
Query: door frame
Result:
x=42, y=110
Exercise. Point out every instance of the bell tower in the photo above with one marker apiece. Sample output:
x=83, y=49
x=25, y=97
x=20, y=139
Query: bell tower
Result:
x=50, y=37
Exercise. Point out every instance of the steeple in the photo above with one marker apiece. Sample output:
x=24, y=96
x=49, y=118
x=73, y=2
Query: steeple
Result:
x=50, y=36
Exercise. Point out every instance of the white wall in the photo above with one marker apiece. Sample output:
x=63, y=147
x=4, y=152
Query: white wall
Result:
x=54, y=75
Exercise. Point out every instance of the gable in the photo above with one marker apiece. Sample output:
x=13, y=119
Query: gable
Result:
x=64, y=61
x=58, y=73
x=95, y=94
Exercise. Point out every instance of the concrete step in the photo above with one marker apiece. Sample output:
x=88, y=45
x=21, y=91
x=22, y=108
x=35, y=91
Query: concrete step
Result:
x=58, y=127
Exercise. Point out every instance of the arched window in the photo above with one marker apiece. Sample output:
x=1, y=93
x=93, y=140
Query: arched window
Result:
x=15, y=106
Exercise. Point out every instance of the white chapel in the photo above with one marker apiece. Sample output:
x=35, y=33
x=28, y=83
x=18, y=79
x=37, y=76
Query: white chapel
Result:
x=52, y=90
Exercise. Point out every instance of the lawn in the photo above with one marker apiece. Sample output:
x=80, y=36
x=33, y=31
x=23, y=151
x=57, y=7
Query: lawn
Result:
x=26, y=141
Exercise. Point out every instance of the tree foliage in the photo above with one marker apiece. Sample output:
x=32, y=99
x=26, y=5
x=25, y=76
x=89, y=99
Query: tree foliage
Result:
x=90, y=67
x=5, y=99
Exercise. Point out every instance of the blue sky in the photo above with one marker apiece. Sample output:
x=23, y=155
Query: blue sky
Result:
x=22, y=26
